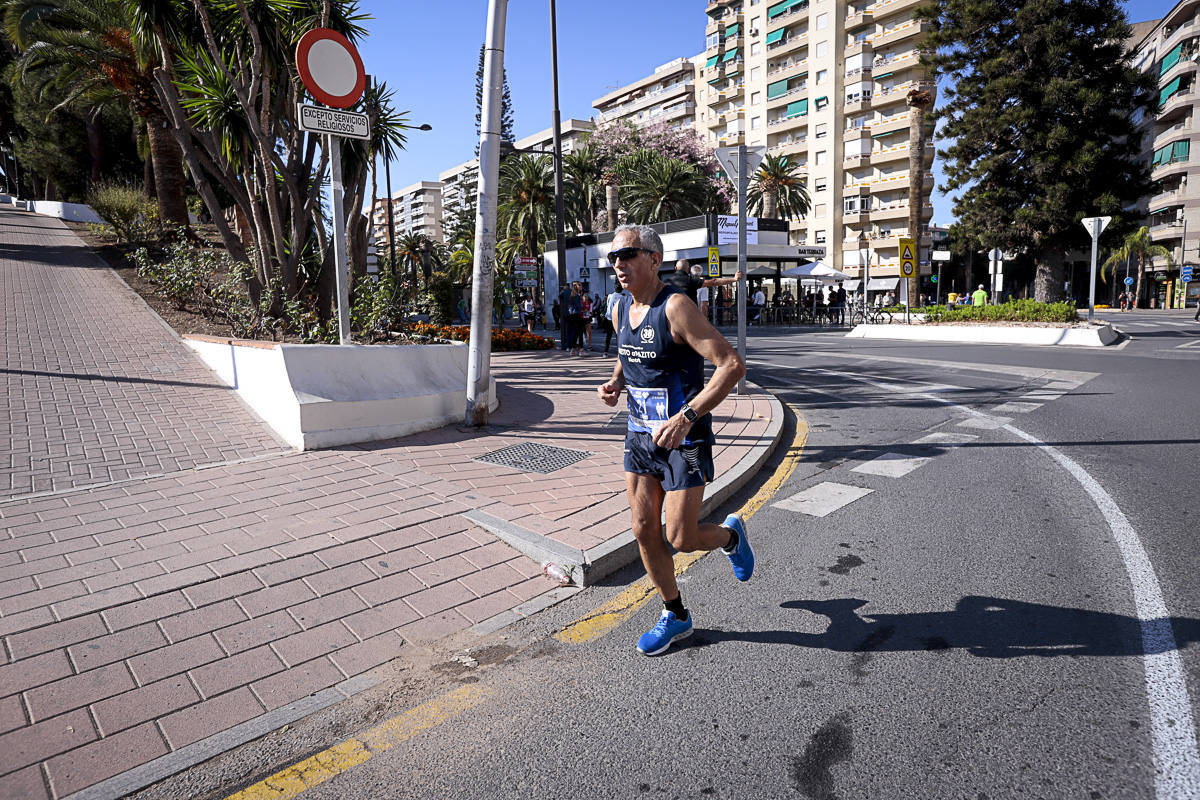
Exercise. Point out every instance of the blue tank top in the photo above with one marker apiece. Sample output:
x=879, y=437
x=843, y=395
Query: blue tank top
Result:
x=660, y=374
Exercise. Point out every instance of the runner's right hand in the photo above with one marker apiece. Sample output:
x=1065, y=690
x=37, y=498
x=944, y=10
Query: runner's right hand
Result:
x=609, y=392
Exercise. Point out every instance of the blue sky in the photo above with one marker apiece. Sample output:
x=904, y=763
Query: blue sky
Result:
x=428, y=53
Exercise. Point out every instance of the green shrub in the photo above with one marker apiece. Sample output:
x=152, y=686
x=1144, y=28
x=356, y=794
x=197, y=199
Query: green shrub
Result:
x=132, y=215
x=181, y=273
x=439, y=297
x=1012, y=311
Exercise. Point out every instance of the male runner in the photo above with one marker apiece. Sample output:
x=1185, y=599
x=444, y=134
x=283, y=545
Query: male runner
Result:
x=662, y=341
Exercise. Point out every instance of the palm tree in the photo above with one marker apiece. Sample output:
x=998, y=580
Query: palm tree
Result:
x=920, y=101
x=84, y=50
x=583, y=178
x=658, y=189
x=416, y=252
x=527, y=200
x=777, y=190
x=1138, y=247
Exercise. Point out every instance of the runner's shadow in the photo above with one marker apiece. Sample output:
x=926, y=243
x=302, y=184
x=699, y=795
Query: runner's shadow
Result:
x=986, y=627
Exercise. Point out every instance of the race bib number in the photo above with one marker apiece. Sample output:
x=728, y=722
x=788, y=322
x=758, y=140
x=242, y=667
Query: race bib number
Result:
x=647, y=409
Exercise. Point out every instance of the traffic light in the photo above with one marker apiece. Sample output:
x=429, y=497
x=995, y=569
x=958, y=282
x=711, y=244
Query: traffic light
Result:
x=933, y=278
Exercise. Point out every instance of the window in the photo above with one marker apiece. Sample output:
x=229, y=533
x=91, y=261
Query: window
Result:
x=822, y=49
x=821, y=185
x=754, y=48
x=820, y=234
x=820, y=157
x=850, y=205
x=754, y=123
x=755, y=98
x=713, y=40
x=822, y=74
x=821, y=102
x=822, y=129
x=754, y=73
x=822, y=21
x=819, y=210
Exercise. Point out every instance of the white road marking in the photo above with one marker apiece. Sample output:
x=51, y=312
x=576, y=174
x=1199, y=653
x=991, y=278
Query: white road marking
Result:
x=891, y=465
x=1063, y=385
x=947, y=439
x=1188, y=344
x=1016, y=407
x=822, y=499
x=1043, y=395
x=985, y=422
x=1172, y=728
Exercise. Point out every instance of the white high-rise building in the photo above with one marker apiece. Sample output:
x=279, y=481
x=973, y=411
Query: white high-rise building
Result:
x=668, y=96
x=415, y=209
x=824, y=82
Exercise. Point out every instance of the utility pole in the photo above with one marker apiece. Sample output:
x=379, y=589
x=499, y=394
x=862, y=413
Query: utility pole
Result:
x=560, y=239
x=480, y=350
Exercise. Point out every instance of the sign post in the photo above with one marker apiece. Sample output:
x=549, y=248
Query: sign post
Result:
x=739, y=162
x=908, y=268
x=939, y=256
x=332, y=71
x=1094, y=226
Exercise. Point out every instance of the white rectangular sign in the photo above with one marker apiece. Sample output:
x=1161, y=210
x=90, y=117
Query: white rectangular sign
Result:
x=318, y=119
x=727, y=230
x=810, y=252
x=941, y=255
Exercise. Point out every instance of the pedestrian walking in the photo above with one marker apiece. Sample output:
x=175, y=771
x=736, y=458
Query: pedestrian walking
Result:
x=690, y=279
x=979, y=297
x=614, y=297
x=662, y=343
x=527, y=314
x=586, y=317
x=575, y=319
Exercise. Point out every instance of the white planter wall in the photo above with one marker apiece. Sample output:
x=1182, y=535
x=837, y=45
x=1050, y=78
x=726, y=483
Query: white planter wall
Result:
x=324, y=395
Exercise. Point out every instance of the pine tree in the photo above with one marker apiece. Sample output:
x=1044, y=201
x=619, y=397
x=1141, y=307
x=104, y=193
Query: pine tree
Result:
x=506, y=117
x=1041, y=114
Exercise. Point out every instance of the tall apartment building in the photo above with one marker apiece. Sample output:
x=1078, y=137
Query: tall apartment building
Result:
x=824, y=81
x=668, y=95
x=1169, y=49
x=415, y=209
x=451, y=180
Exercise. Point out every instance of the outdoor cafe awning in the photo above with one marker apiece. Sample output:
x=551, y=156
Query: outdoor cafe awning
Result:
x=883, y=284
x=815, y=269
x=851, y=286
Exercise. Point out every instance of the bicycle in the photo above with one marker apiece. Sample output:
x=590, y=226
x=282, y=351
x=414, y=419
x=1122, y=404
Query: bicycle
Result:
x=873, y=316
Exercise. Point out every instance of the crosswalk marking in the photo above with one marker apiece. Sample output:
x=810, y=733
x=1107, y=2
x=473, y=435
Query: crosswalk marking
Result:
x=985, y=423
x=822, y=499
x=1065, y=386
x=955, y=439
x=1043, y=395
x=1016, y=407
x=891, y=465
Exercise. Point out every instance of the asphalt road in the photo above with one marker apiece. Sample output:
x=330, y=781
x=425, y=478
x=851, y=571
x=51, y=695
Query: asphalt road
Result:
x=966, y=627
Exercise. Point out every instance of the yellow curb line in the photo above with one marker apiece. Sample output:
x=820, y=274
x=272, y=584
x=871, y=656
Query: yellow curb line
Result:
x=330, y=763
x=608, y=616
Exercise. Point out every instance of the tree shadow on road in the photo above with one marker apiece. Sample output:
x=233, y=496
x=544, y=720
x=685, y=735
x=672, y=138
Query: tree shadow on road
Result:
x=987, y=627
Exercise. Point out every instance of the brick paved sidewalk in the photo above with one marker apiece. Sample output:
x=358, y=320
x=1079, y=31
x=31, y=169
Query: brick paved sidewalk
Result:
x=145, y=617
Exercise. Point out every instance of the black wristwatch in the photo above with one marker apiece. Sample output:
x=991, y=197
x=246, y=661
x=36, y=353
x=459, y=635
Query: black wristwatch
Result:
x=689, y=413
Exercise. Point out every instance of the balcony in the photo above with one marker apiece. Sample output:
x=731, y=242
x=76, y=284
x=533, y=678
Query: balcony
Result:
x=1168, y=169
x=856, y=160
x=899, y=152
x=883, y=67
x=732, y=140
x=858, y=48
x=854, y=21
x=897, y=209
x=891, y=241
x=1166, y=231
x=856, y=217
x=1186, y=29
x=896, y=122
x=791, y=145
x=773, y=24
x=851, y=135
x=790, y=66
x=782, y=125
x=1170, y=134
x=894, y=181
x=789, y=45
x=886, y=8
x=857, y=103
x=899, y=33
x=1185, y=65
x=1177, y=106
x=789, y=96
x=1169, y=196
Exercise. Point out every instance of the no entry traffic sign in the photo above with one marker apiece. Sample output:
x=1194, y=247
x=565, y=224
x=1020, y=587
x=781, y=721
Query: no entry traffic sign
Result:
x=330, y=68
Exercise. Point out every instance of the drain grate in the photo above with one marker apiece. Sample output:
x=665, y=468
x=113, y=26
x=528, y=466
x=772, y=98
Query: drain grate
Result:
x=531, y=457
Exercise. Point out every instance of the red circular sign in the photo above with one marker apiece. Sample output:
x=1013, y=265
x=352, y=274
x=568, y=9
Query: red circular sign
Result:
x=330, y=68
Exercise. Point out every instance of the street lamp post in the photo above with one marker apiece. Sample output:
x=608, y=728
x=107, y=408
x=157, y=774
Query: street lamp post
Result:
x=387, y=177
x=560, y=239
x=863, y=257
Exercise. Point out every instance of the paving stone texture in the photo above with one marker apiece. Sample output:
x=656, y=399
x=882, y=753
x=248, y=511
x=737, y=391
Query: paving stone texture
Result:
x=169, y=570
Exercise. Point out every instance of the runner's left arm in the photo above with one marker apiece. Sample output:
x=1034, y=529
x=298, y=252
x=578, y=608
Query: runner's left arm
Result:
x=610, y=392
x=689, y=326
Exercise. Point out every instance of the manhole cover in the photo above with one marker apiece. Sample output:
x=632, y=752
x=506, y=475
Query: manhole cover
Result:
x=530, y=457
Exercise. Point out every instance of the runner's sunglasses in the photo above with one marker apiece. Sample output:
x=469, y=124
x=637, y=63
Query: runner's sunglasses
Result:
x=625, y=254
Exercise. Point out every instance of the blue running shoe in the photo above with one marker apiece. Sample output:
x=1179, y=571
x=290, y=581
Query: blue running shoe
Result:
x=668, y=629
x=742, y=556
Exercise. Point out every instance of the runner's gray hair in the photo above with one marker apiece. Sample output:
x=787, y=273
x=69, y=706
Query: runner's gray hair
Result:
x=647, y=237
